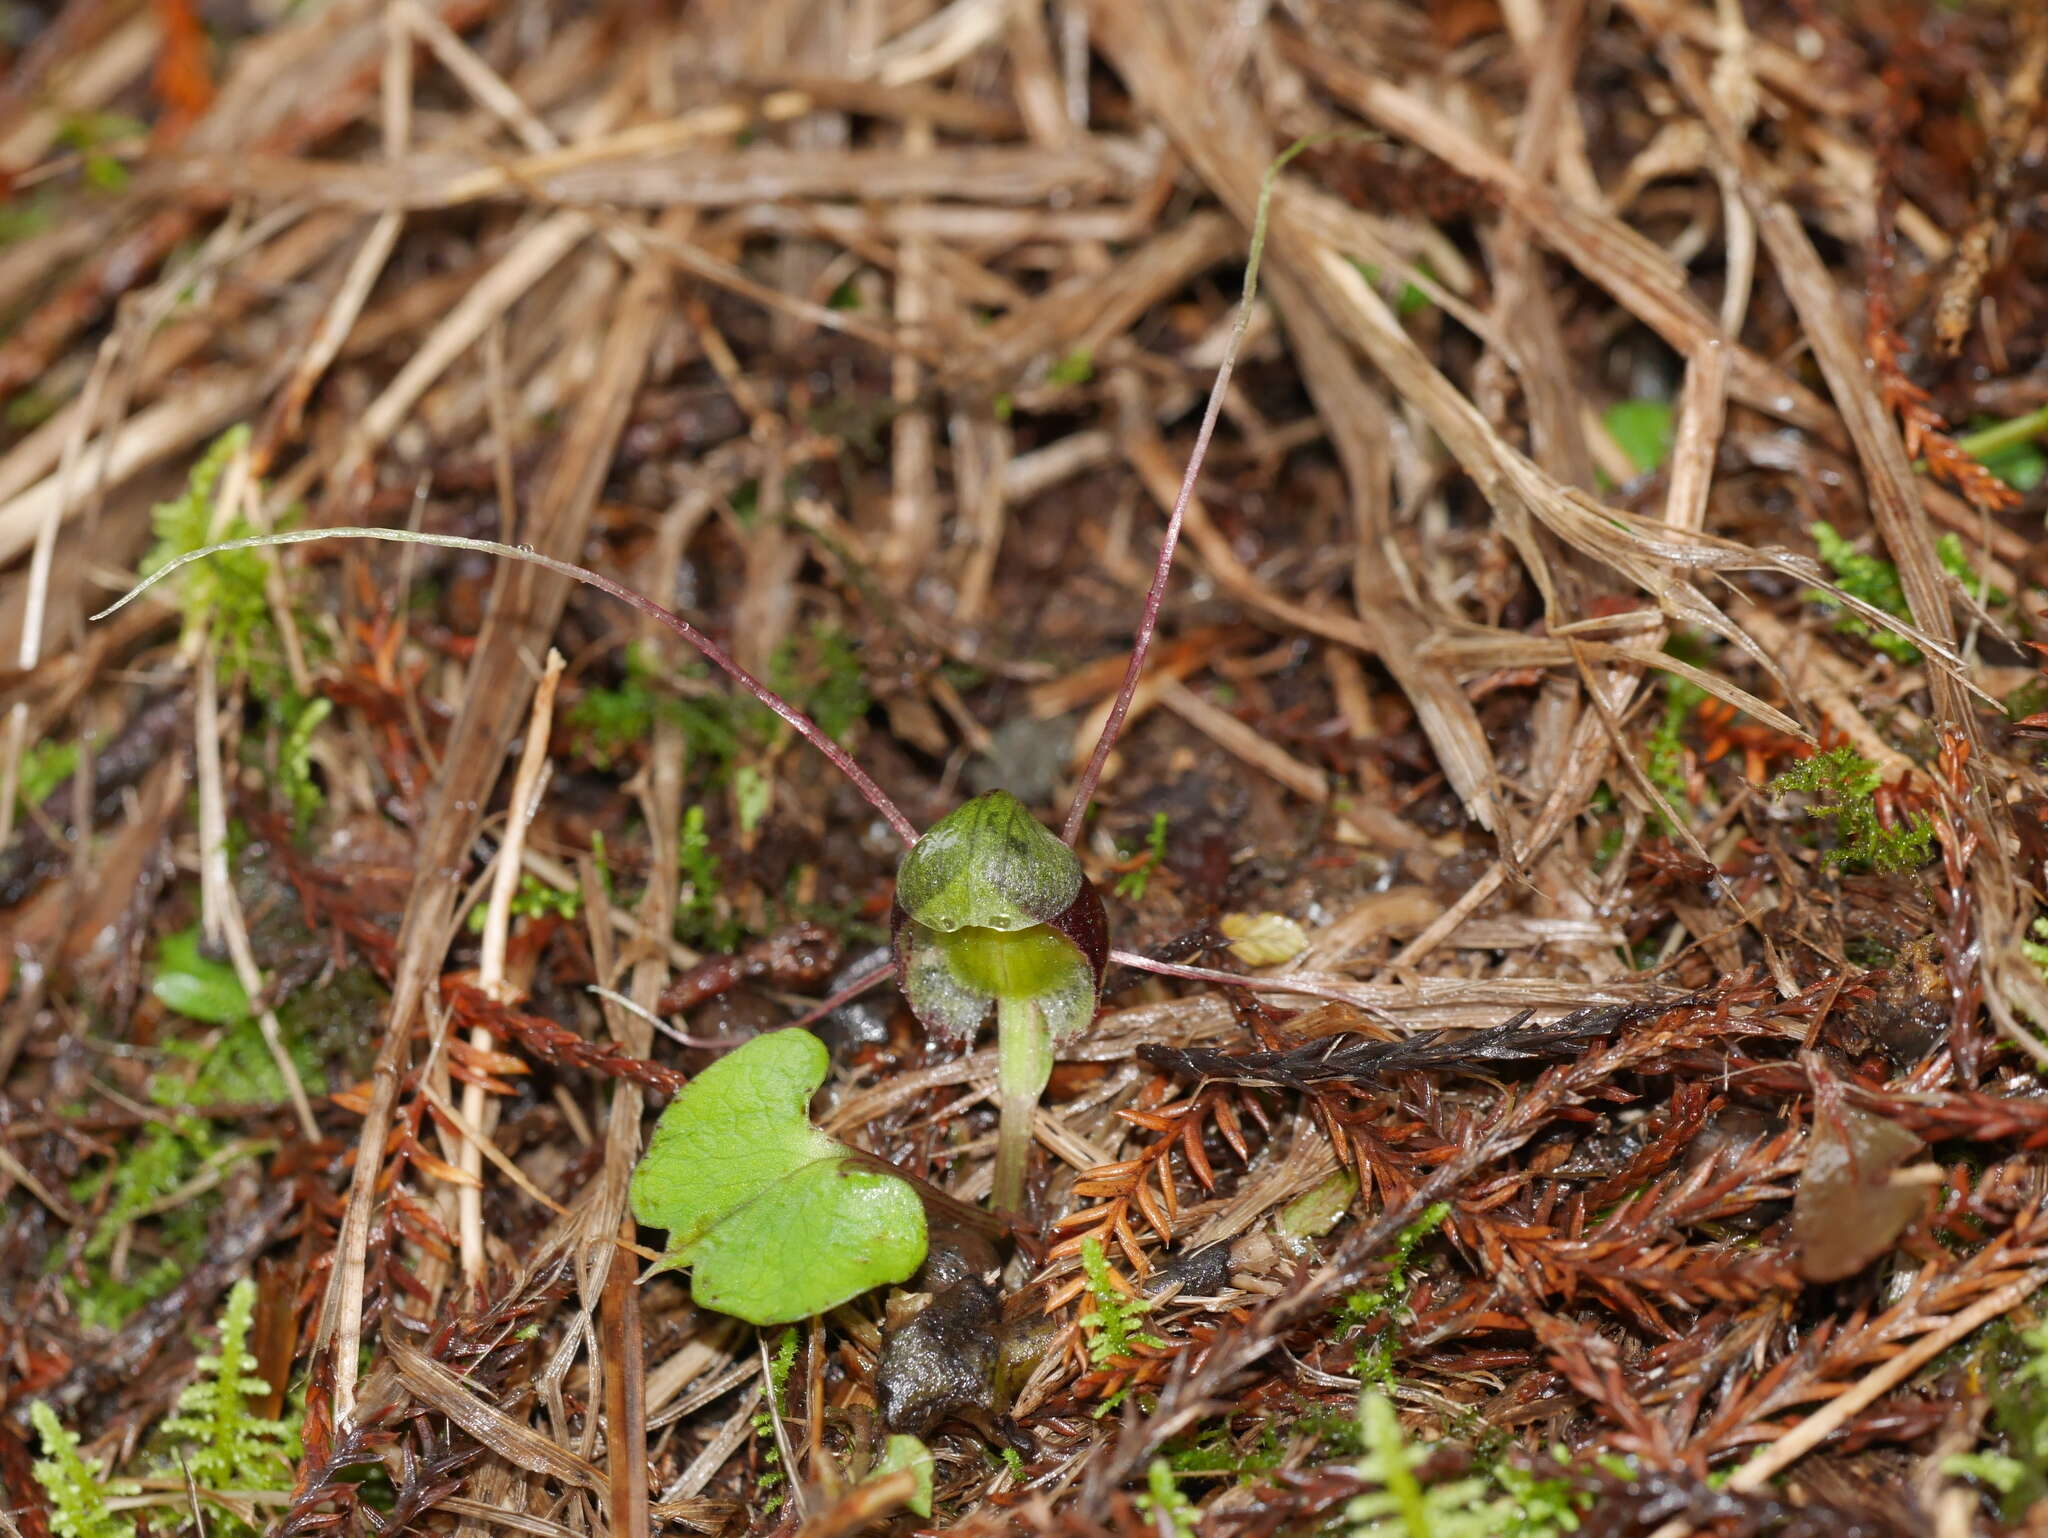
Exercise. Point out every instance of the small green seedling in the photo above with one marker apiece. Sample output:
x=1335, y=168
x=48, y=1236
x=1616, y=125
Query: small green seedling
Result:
x=776, y=1221
x=993, y=911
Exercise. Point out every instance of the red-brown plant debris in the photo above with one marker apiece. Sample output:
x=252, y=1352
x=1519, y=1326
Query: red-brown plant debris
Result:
x=1666, y=1148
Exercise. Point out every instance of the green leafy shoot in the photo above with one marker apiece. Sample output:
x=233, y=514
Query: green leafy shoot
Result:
x=197, y=986
x=44, y=766
x=2010, y=450
x=902, y=1452
x=1132, y=883
x=1875, y=580
x=534, y=899
x=1955, y=560
x=610, y=725
x=1381, y=1311
x=1871, y=578
x=1403, y=1507
x=1076, y=368
x=776, y=1221
x=1512, y=1504
x=295, y=781
x=77, y=1488
x=1112, y=1326
x=1840, y=787
x=1644, y=430
x=2013, y=1462
x=703, y=916
x=781, y=1363
x=1164, y=1502
x=1664, y=762
x=226, y=594
x=1412, y=300
x=1542, y=1505
x=225, y=1444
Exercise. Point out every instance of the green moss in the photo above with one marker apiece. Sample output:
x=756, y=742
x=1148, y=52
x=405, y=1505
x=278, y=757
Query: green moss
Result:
x=1664, y=757
x=819, y=672
x=228, y=598
x=235, y=1068
x=229, y=1065
x=1504, y=1503
x=823, y=672
x=1411, y=301
x=1113, y=1326
x=44, y=766
x=1840, y=787
x=220, y=1439
x=608, y=726
x=90, y=134
x=162, y=1157
x=225, y=595
x=1133, y=882
x=780, y=1366
x=1875, y=580
x=1870, y=578
x=2013, y=1459
x=299, y=720
x=533, y=899
x=1171, y=1513
x=1076, y=368
x=2030, y=698
x=1955, y=560
x=1381, y=1311
x=77, y=1488
x=703, y=917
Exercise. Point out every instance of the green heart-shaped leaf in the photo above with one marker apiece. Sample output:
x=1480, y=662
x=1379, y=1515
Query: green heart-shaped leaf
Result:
x=774, y=1221
x=990, y=865
x=826, y=1233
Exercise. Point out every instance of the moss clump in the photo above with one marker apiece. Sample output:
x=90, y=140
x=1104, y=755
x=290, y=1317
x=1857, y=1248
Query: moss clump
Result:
x=1842, y=790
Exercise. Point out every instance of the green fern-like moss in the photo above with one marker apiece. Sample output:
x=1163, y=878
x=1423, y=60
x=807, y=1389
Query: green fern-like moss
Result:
x=226, y=1445
x=76, y=1487
x=1114, y=1326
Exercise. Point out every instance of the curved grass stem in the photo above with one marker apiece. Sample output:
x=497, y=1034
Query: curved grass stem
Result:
x=709, y=649
x=1155, y=596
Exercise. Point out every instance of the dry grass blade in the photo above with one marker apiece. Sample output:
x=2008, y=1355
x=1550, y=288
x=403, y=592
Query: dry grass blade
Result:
x=1575, y=828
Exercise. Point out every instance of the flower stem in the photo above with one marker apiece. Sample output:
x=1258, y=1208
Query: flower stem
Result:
x=1023, y=1067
